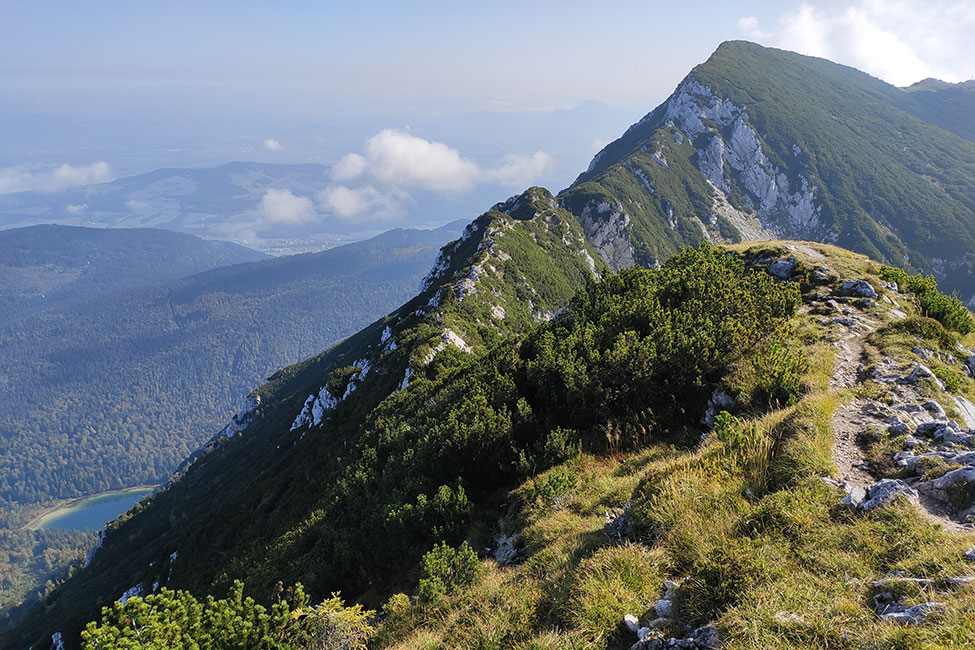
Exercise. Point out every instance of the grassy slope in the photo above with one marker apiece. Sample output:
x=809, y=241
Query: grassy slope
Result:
x=783, y=568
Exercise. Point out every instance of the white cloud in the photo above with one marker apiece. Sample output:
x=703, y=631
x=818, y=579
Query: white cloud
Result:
x=398, y=158
x=348, y=167
x=375, y=185
x=32, y=177
x=76, y=208
x=272, y=145
x=283, y=207
x=364, y=202
x=520, y=170
x=900, y=41
x=748, y=26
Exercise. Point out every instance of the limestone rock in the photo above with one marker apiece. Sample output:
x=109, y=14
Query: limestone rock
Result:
x=954, y=477
x=858, y=289
x=855, y=497
x=915, y=615
x=884, y=493
x=782, y=269
x=664, y=608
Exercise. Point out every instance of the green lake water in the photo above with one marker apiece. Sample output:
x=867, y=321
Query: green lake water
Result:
x=93, y=512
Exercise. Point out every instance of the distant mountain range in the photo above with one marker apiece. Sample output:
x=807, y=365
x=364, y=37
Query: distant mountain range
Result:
x=219, y=202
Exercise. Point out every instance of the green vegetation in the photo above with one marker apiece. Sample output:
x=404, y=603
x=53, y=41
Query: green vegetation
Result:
x=632, y=360
x=888, y=179
x=445, y=570
x=116, y=390
x=756, y=543
x=176, y=619
x=947, y=310
x=44, y=267
x=32, y=562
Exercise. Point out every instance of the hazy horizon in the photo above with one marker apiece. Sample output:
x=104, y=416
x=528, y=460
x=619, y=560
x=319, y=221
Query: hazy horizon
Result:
x=424, y=105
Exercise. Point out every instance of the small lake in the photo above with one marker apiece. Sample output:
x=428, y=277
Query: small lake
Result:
x=93, y=512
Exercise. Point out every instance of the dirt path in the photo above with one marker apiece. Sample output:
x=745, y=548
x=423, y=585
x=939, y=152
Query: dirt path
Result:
x=849, y=420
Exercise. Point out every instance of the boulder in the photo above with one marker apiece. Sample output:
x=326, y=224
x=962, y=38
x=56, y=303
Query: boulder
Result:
x=934, y=409
x=956, y=437
x=664, y=608
x=632, y=623
x=919, y=372
x=970, y=554
x=782, y=269
x=931, y=429
x=884, y=493
x=854, y=497
x=858, y=289
x=967, y=410
x=915, y=615
x=706, y=637
x=954, y=477
x=718, y=402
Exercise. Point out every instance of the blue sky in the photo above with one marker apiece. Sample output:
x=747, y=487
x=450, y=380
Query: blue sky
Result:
x=93, y=90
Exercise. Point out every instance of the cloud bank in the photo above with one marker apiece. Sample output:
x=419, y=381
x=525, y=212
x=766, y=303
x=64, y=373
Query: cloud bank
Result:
x=900, y=41
x=31, y=177
x=284, y=208
x=395, y=162
x=272, y=145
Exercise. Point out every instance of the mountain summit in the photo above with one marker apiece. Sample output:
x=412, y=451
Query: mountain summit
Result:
x=758, y=143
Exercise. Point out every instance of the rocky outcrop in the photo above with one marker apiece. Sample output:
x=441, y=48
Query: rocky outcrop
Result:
x=734, y=144
x=606, y=229
x=246, y=414
x=316, y=406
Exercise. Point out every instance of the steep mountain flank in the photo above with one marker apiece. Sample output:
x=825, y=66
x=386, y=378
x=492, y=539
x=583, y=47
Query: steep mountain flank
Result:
x=758, y=142
x=285, y=484
x=147, y=372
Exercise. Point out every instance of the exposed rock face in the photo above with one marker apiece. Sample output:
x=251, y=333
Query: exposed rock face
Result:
x=240, y=421
x=782, y=269
x=915, y=615
x=967, y=410
x=734, y=144
x=884, y=492
x=718, y=402
x=316, y=406
x=605, y=229
x=131, y=592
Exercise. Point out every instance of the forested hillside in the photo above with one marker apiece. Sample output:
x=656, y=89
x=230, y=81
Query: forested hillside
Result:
x=43, y=267
x=117, y=390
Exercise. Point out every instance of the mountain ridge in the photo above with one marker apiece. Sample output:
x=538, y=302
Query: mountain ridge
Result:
x=714, y=154
x=420, y=427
